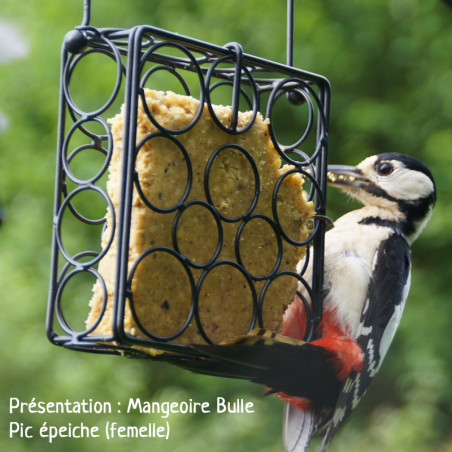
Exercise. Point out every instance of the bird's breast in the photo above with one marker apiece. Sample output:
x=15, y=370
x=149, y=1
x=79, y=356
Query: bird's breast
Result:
x=350, y=250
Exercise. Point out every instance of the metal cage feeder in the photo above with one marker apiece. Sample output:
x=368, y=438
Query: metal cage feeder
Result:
x=255, y=84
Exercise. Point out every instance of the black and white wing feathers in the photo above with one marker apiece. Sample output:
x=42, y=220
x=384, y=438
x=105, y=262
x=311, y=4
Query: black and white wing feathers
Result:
x=386, y=296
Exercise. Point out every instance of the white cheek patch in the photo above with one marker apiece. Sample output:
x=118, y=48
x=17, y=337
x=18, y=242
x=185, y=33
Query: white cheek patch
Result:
x=406, y=184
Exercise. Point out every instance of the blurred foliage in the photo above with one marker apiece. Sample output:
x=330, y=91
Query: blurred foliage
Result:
x=390, y=66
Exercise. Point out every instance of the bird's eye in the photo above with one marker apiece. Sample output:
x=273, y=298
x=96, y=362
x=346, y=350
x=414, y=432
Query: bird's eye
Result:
x=384, y=168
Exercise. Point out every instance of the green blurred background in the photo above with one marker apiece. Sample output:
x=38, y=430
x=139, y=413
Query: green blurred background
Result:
x=390, y=66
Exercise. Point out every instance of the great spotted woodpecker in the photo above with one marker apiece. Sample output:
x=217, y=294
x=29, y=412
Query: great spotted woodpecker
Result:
x=366, y=283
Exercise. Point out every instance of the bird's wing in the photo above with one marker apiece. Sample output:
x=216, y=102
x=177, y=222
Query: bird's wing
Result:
x=386, y=296
x=283, y=364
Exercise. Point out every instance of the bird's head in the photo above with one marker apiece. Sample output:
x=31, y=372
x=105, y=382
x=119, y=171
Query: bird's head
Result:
x=397, y=183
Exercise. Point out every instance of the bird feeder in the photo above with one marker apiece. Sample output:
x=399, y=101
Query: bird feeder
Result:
x=149, y=178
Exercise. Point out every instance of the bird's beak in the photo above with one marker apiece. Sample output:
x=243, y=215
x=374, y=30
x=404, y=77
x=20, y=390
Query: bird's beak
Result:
x=343, y=176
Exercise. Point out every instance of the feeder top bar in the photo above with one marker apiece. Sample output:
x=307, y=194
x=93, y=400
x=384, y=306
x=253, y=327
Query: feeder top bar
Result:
x=194, y=44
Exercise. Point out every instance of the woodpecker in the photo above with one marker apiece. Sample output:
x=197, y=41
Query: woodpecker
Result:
x=367, y=266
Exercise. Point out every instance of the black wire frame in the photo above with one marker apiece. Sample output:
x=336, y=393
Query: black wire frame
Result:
x=266, y=82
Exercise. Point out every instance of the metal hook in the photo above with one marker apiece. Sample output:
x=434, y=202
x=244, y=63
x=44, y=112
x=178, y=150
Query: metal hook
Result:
x=236, y=48
x=289, y=44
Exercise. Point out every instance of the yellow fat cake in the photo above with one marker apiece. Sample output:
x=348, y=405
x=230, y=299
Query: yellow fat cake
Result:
x=160, y=284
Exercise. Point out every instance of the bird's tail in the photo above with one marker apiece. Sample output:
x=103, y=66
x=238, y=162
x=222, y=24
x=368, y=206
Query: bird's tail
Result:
x=282, y=364
x=298, y=428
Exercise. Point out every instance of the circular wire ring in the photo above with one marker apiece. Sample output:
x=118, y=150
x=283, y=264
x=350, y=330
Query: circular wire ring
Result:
x=233, y=129
x=131, y=302
x=66, y=159
x=58, y=221
x=306, y=303
x=215, y=214
x=278, y=239
x=63, y=280
x=194, y=66
x=278, y=184
x=256, y=180
x=198, y=290
x=280, y=89
x=136, y=176
x=307, y=92
x=69, y=68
